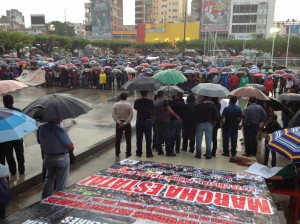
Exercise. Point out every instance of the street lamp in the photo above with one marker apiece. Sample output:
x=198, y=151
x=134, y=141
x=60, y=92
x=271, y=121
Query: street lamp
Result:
x=184, y=29
x=288, y=41
x=273, y=31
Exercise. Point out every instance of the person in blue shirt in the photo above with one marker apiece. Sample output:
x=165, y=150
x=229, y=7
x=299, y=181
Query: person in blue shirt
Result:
x=225, y=80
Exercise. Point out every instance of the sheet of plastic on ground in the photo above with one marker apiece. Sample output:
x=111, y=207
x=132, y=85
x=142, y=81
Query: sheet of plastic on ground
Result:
x=147, y=192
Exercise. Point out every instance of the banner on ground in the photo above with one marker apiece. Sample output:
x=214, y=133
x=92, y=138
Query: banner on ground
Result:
x=148, y=192
x=32, y=77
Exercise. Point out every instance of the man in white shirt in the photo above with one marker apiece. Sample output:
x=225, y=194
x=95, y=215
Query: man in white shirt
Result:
x=122, y=115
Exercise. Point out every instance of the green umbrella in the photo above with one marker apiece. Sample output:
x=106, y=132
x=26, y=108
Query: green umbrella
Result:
x=170, y=77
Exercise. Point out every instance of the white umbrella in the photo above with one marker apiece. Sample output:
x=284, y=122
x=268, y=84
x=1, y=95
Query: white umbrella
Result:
x=210, y=90
x=129, y=70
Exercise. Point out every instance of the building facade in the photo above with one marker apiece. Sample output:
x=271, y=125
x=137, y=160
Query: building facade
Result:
x=102, y=17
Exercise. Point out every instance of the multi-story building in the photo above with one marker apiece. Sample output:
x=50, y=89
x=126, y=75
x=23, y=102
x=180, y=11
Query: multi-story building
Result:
x=160, y=11
x=102, y=17
x=196, y=8
x=15, y=17
x=251, y=19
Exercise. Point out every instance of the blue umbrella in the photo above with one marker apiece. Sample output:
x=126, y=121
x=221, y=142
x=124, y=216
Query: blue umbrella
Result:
x=41, y=63
x=14, y=125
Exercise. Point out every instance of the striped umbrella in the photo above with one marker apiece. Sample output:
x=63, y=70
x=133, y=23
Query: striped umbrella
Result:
x=286, y=142
x=14, y=125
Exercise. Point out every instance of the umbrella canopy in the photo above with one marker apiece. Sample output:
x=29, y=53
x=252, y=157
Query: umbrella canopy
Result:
x=210, y=90
x=129, y=70
x=275, y=75
x=170, y=77
x=254, y=70
x=14, y=125
x=3, y=64
x=57, y=106
x=243, y=69
x=275, y=104
x=148, y=70
x=10, y=85
x=146, y=83
x=257, y=86
x=227, y=70
x=297, y=75
x=213, y=70
x=248, y=91
x=145, y=64
x=169, y=90
x=280, y=72
x=289, y=97
x=259, y=75
x=286, y=142
x=288, y=76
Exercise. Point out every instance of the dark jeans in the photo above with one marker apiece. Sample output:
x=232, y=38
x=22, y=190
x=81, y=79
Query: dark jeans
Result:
x=215, y=140
x=176, y=127
x=163, y=129
x=267, y=152
x=119, y=134
x=250, y=137
x=8, y=153
x=188, y=134
x=230, y=132
x=143, y=127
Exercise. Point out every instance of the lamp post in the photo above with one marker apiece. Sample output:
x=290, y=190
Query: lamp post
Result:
x=288, y=41
x=184, y=29
x=273, y=31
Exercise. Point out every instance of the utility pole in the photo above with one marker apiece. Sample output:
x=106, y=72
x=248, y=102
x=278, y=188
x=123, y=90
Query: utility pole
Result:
x=184, y=29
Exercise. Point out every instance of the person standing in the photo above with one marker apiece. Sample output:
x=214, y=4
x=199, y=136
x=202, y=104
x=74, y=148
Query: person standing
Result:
x=253, y=117
x=56, y=156
x=207, y=115
x=5, y=195
x=162, y=112
x=188, y=127
x=215, y=128
x=176, y=125
x=15, y=145
x=231, y=118
x=269, y=86
x=122, y=115
x=244, y=80
x=144, y=108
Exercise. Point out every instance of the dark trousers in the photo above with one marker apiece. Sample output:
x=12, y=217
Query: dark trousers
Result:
x=163, y=129
x=230, y=132
x=119, y=134
x=176, y=127
x=8, y=153
x=267, y=152
x=143, y=127
x=215, y=140
x=250, y=137
x=188, y=135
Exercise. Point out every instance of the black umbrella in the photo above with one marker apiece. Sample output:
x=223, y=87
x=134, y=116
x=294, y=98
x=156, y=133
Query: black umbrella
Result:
x=57, y=106
x=227, y=70
x=243, y=69
x=275, y=104
x=289, y=97
x=147, y=83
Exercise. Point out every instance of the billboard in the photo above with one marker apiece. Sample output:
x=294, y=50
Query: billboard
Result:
x=148, y=11
x=100, y=11
x=215, y=15
x=37, y=19
x=294, y=30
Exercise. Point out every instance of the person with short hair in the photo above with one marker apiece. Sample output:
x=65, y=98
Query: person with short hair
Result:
x=10, y=146
x=122, y=115
x=144, y=122
x=253, y=117
x=231, y=117
x=56, y=156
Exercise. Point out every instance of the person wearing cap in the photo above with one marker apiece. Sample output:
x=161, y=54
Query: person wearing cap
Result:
x=56, y=155
x=122, y=115
x=253, y=117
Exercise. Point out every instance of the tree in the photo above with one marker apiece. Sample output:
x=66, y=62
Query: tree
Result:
x=61, y=29
x=46, y=43
x=148, y=47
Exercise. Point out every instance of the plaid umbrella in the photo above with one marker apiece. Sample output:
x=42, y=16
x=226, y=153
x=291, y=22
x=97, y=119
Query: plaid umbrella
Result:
x=248, y=91
x=286, y=142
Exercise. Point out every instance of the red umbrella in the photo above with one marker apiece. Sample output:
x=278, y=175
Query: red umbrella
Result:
x=70, y=65
x=96, y=69
x=259, y=75
x=288, y=76
x=84, y=59
x=280, y=72
x=248, y=91
x=213, y=70
x=144, y=64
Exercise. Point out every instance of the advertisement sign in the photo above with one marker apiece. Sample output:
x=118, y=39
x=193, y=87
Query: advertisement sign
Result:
x=147, y=192
x=100, y=13
x=148, y=11
x=294, y=30
x=215, y=15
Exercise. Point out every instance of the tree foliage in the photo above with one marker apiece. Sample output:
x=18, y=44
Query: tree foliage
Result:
x=61, y=29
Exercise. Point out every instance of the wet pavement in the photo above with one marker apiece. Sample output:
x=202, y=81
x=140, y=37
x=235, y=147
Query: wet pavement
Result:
x=93, y=138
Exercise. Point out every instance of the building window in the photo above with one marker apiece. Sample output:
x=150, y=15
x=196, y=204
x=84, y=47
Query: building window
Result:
x=244, y=29
x=245, y=8
x=174, y=10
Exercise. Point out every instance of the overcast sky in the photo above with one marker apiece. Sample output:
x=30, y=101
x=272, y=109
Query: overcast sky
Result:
x=74, y=10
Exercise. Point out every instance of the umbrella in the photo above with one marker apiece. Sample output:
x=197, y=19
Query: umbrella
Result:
x=14, y=65
x=41, y=63
x=226, y=69
x=289, y=97
x=210, y=90
x=3, y=64
x=145, y=64
x=288, y=76
x=115, y=70
x=275, y=75
x=107, y=67
x=169, y=90
x=288, y=70
x=213, y=70
x=254, y=70
x=10, y=85
x=139, y=67
x=286, y=143
x=57, y=106
x=97, y=69
x=84, y=59
x=258, y=86
x=148, y=70
x=295, y=121
x=259, y=75
x=170, y=77
x=129, y=70
x=189, y=71
x=14, y=125
x=72, y=68
x=275, y=104
x=147, y=83
x=248, y=91
x=280, y=72
x=297, y=75
x=243, y=69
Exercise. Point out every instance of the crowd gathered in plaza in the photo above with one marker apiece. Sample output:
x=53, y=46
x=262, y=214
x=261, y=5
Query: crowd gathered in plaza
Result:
x=172, y=121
